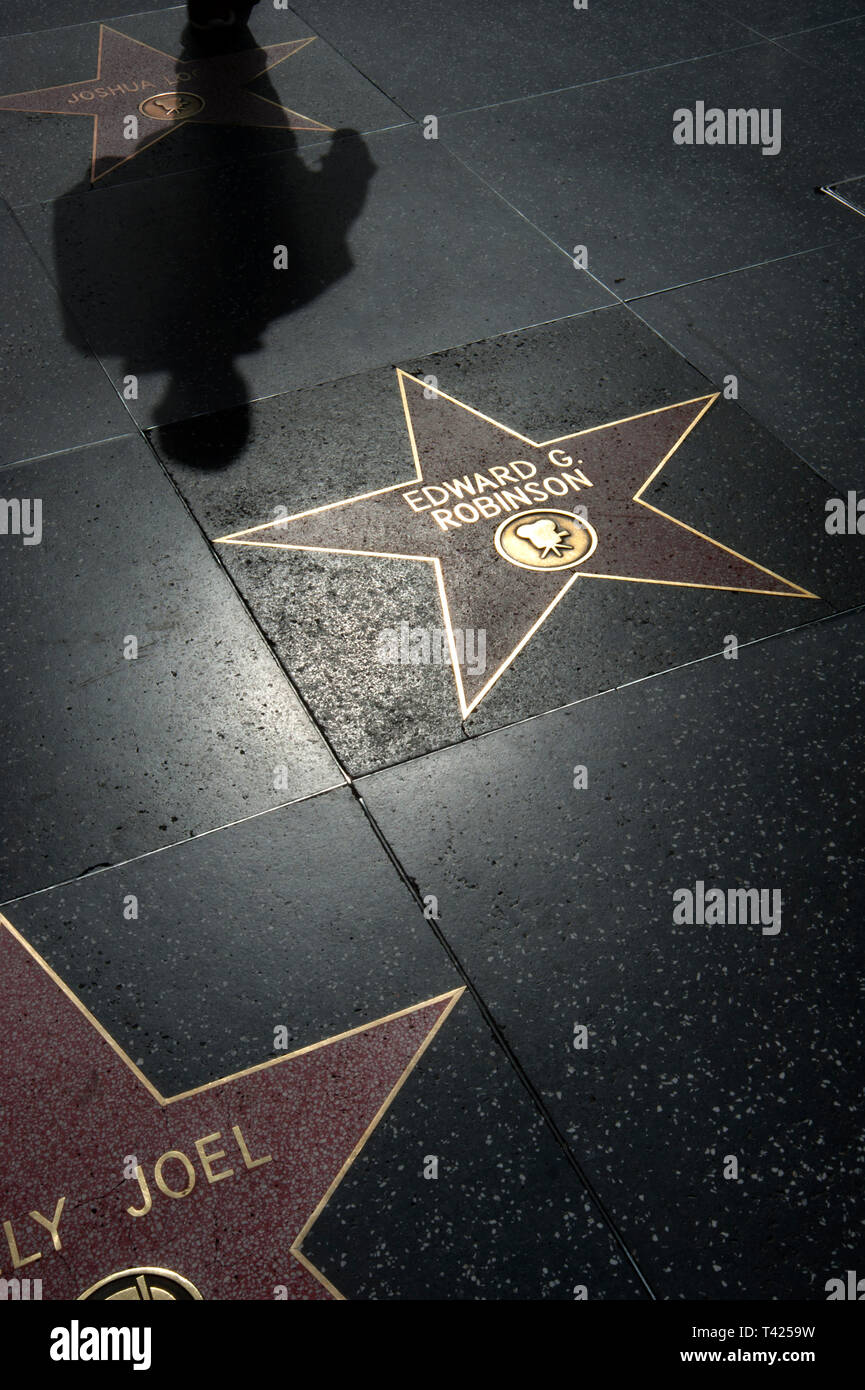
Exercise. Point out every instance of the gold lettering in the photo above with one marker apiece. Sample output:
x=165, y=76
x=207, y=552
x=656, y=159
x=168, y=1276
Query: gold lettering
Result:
x=436, y=501
x=515, y=499
x=241, y=1144
x=207, y=1160
x=410, y=498
x=17, y=1262
x=53, y=1223
x=563, y=460
x=145, y=1192
x=483, y=483
x=160, y=1181
x=574, y=483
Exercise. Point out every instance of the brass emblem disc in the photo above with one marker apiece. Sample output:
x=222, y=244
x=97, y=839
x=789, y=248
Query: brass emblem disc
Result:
x=172, y=106
x=142, y=1285
x=545, y=539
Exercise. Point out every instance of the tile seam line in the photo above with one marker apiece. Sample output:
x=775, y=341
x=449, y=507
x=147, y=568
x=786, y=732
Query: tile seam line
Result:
x=808, y=60
x=811, y=28
x=349, y=779
x=81, y=23
x=161, y=10
x=658, y=675
x=474, y=174
x=138, y=431
x=67, y=308
x=154, y=9
x=747, y=410
x=471, y=738
x=252, y=620
x=175, y=844
x=528, y=1084
x=380, y=365
x=843, y=240
x=162, y=176
x=30, y=459
x=612, y=77
x=354, y=67
x=143, y=428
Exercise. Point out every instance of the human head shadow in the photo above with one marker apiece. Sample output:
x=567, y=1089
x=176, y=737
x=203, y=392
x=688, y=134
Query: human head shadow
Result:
x=178, y=275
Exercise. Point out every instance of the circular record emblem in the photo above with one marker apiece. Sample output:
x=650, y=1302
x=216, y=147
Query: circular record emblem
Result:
x=545, y=539
x=172, y=106
x=142, y=1285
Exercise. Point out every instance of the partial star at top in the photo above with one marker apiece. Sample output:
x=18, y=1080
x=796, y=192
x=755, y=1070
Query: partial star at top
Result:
x=509, y=524
x=140, y=94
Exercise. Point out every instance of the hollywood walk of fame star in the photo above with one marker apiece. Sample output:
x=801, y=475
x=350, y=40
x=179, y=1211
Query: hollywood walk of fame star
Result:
x=160, y=92
x=214, y=1190
x=509, y=524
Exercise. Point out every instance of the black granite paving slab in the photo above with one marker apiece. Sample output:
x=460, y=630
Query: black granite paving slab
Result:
x=26, y=16
x=597, y=166
x=792, y=334
x=259, y=928
x=556, y=888
x=433, y=59
x=108, y=756
x=239, y=932
x=370, y=231
x=47, y=155
x=775, y=17
x=327, y=263
x=501, y=1221
x=337, y=620
x=837, y=48
x=54, y=394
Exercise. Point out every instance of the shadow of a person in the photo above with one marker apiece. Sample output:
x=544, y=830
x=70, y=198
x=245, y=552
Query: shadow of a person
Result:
x=179, y=275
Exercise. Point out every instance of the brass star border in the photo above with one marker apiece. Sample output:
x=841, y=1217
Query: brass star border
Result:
x=219, y=83
x=72, y=1115
x=621, y=460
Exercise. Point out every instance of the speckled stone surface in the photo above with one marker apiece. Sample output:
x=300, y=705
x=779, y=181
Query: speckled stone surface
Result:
x=499, y=1222
x=45, y=156
x=703, y=1041
x=239, y=932
x=498, y=1040
x=837, y=48
x=597, y=166
x=501, y=52
x=27, y=16
x=243, y=932
x=775, y=17
x=325, y=613
x=108, y=757
x=238, y=1168
x=368, y=225
x=793, y=334
x=37, y=367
